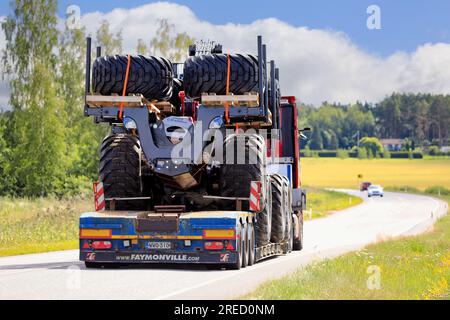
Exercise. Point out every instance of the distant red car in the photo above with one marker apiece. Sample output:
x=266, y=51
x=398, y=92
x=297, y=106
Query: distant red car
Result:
x=365, y=186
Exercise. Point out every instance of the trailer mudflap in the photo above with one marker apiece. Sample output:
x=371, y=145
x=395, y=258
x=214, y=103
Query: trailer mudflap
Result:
x=159, y=257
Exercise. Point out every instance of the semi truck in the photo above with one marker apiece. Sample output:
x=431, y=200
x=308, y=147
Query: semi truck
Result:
x=201, y=165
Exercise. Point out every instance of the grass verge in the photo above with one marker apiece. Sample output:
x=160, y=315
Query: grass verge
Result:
x=40, y=225
x=410, y=268
x=324, y=202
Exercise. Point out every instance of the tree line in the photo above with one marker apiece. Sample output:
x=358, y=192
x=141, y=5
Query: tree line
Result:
x=421, y=120
x=47, y=146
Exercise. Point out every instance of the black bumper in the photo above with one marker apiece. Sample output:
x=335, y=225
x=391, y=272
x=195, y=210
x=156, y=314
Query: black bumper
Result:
x=178, y=257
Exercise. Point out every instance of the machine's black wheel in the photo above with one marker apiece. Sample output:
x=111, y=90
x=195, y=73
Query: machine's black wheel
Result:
x=175, y=99
x=245, y=245
x=120, y=158
x=149, y=76
x=298, y=243
x=278, y=208
x=208, y=73
x=247, y=164
x=251, y=244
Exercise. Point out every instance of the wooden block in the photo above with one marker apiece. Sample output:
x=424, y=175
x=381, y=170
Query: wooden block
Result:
x=250, y=99
x=116, y=100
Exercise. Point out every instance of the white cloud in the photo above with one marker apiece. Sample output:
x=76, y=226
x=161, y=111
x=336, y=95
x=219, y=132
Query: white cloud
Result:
x=315, y=65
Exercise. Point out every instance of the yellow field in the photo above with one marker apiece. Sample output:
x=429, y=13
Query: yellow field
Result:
x=343, y=173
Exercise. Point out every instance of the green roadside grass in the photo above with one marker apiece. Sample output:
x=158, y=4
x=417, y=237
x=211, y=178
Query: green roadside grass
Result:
x=40, y=225
x=46, y=224
x=324, y=202
x=410, y=268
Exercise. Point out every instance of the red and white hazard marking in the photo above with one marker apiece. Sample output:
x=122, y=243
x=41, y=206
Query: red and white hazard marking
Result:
x=99, y=196
x=255, y=196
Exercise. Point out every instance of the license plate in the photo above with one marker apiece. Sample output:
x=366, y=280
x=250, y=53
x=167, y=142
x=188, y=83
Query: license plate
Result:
x=161, y=245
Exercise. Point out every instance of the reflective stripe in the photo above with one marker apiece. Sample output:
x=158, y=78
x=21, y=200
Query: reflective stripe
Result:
x=255, y=196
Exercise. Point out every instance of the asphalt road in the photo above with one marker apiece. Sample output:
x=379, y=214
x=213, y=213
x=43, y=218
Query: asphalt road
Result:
x=59, y=275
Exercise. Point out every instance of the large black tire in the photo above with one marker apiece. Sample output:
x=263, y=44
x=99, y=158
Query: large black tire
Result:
x=278, y=208
x=150, y=76
x=120, y=159
x=208, y=73
x=237, y=173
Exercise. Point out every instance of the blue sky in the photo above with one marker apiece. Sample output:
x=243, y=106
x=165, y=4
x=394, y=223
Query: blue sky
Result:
x=324, y=49
x=405, y=24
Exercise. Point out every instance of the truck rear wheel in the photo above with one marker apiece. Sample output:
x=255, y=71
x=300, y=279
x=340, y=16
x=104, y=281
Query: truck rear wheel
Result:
x=120, y=160
x=150, y=76
x=278, y=208
x=208, y=73
x=298, y=243
x=288, y=210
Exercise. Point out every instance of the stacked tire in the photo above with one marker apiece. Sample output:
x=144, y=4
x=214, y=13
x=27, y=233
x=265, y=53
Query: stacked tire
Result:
x=150, y=76
x=208, y=73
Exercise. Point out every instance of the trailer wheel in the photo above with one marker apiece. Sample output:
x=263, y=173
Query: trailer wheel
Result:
x=251, y=245
x=278, y=208
x=150, y=76
x=238, y=264
x=298, y=243
x=120, y=160
x=245, y=245
x=208, y=73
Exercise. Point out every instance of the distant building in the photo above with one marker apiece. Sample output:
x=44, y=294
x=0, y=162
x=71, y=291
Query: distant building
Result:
x=392, y=144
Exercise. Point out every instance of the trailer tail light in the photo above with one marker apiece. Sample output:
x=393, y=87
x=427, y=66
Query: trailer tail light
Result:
x=214, y=245
x=101, y=245
x=219, y=234
x=95, y=233
x=86, y=245
x=229, y=246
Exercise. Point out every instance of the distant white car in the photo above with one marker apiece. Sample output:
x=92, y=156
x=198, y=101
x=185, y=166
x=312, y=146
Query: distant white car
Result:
x=374, y=190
